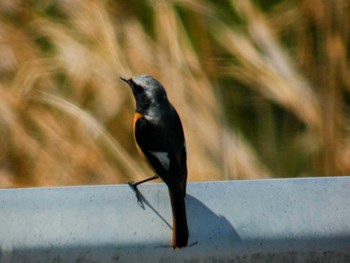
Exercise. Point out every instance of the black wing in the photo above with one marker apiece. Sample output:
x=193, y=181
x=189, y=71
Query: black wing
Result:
x=164, y=146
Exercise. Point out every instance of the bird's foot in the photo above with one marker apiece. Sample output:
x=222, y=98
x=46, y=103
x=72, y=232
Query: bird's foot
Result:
x=133, y=186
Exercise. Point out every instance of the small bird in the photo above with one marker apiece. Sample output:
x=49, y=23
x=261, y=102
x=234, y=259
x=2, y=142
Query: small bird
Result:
x=159, y=134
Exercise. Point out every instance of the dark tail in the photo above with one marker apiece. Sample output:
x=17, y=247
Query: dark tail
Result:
x=180, y=228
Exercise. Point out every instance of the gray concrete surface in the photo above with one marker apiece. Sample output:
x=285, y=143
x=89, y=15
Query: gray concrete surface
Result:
x=287, y=220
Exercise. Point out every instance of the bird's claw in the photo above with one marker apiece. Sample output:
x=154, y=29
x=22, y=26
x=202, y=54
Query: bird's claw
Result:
x=137, y=192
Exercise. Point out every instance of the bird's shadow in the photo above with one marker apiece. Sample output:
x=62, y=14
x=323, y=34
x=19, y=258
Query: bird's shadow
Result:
x=142, y=201
x=203, y=223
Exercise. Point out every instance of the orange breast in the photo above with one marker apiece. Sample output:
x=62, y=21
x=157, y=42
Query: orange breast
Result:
x=136, y=117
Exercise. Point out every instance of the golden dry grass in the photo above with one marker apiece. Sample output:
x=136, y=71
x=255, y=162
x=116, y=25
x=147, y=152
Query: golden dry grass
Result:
x=262, y=91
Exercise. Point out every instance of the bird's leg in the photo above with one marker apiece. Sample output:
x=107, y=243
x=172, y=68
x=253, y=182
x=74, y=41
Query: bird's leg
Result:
x=134, y=185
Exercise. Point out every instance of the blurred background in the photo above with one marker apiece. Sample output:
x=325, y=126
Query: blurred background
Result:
x=262, y=87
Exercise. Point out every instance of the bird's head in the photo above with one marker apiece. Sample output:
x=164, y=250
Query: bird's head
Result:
x=147, y=91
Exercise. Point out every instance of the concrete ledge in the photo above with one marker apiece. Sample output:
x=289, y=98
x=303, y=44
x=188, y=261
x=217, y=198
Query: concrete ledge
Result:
x=288, y=220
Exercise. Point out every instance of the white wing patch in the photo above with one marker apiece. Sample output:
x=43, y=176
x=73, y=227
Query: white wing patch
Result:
x=163, y=158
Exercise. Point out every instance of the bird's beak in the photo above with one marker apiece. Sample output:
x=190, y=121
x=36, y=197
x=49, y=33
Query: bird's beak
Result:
x=128, y=81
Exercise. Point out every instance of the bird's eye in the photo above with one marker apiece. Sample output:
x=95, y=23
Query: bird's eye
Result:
x=138, y=88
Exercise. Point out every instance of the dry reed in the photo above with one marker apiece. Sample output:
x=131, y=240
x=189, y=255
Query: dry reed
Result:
x=261, y=92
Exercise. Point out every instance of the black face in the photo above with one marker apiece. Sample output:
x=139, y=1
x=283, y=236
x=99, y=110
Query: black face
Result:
x=147, y=92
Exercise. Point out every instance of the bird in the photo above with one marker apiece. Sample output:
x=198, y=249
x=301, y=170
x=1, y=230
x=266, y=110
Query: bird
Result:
x=159, y=134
